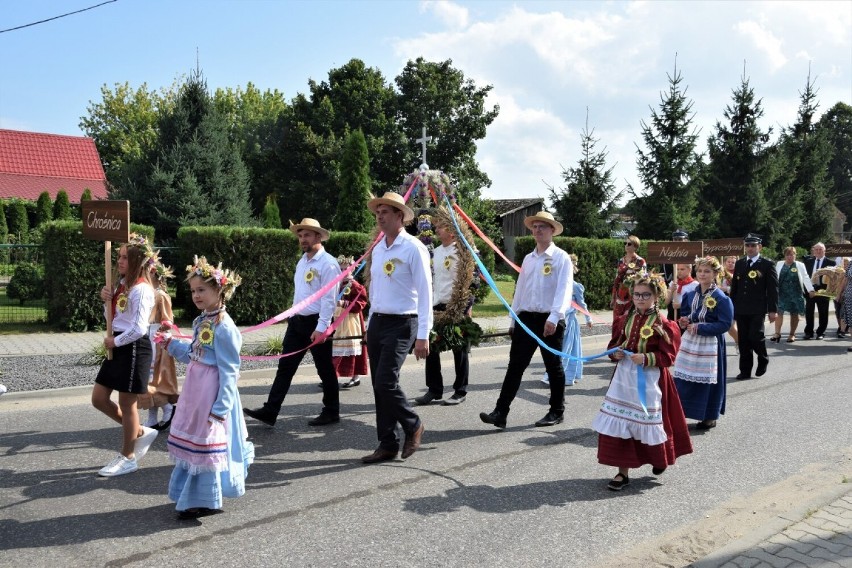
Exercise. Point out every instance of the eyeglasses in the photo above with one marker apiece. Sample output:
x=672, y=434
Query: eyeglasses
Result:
x=628, y=244
x=642, y=295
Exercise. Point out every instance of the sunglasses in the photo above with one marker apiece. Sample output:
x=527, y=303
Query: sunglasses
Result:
x=628, y=244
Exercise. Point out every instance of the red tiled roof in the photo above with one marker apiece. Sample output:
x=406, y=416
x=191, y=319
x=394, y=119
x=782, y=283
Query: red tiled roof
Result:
x=32, y=162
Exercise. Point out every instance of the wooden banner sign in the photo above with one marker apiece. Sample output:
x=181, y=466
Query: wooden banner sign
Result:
x=673, y=252
x=106, y=220
x=836, y=249
x=724, y=247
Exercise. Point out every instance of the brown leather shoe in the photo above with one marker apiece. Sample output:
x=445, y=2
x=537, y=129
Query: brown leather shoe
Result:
x=412, y=442
x=379, y=455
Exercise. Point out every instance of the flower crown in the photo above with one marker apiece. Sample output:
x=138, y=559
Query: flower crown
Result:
x=710, y=261
x=654, y=280
x=139, y=241
x=345, y=260
x=226, y=280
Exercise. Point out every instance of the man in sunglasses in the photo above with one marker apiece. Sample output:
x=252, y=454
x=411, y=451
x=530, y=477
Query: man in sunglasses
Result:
x=754, y=291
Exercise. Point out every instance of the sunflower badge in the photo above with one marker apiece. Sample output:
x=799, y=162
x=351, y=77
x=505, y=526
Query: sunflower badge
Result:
x=448, y=262
x=709, y=302
x=547, y=270
x=205, y=334
x=631, y=266
x=347, y=290
x=646, y=331
x=794, y=270
x=389, y=266
x=310, y=275
x=121, y=302
x=753, y=274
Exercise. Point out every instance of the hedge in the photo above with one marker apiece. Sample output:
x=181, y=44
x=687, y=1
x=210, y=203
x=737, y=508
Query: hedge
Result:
x=74, y=275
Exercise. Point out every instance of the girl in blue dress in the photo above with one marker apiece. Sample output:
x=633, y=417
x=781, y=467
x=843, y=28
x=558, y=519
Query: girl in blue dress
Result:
x=208, y=438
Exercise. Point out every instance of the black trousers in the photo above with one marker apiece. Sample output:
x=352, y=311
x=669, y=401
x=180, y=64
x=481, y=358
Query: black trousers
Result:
x=434, y=378
x=389, y=340
x=821, y=304
x=520, y=355
x=751, y=341
x=298, y=336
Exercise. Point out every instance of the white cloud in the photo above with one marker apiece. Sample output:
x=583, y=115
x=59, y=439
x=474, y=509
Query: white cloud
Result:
x=765, y=41
x=451, y=14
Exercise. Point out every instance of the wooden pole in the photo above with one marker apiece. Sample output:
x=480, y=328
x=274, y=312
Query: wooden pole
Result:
x=108, y=274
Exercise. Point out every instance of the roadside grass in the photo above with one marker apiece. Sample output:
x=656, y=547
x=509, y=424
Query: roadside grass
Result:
x=492, y=307
x=15, y=318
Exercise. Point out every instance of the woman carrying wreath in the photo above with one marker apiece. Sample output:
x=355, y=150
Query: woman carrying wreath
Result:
x=700, y=368
x=631, y=263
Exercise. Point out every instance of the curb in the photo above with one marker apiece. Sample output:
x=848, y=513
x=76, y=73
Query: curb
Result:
x=777, y=525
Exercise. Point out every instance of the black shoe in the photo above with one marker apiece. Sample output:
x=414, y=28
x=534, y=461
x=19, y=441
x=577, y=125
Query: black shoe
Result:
x=761, y=368
x=160, y=426
x=497, y=418
x=455, y=399
x=427, y=398
x=841, y=334
x=618, y=484
x=550, y=419
x=807, y=336
x=261, y=414
x=197, y=512
x=820, y=336
x=742, y=377
x=353, y=382
x=324, y=419
x=657, y=470
x=705, y=425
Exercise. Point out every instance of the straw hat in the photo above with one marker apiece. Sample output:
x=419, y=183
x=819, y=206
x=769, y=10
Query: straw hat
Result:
x=544, y=217
x=310, y=225
x=394, y=200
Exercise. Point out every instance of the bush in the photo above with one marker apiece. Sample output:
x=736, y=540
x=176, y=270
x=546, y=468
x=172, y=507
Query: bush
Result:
x=27, y=283
x=62, y=207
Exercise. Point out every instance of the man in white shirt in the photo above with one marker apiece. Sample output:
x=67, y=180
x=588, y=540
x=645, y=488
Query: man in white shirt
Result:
x=400, y=315
x=315, y=269
x=445, y=261
x=542, y=296
x=816, y=301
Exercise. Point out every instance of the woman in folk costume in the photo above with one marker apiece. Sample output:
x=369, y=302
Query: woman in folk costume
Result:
x=163, y=387
x=700, y=369
x=628, y=265
x=208, y=438
x=350, y=355
x=637, y=425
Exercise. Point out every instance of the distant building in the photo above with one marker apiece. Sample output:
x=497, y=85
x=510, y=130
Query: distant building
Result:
x=837, y=224
x=510, y=214
x=32, y=162
x=623, y=225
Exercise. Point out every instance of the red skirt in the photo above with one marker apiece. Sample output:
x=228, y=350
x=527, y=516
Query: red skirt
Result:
x=620, y=452
x=351, y=365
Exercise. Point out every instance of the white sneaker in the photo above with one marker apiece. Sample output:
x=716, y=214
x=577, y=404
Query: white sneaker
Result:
x=143, y=442
x=119, y=466
x=545, y=380
x=2, y=389
x=151, y=421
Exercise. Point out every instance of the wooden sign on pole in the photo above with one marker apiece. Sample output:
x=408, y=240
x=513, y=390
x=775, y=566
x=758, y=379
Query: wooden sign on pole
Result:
x=838, y=249
x=673, y=252
x=721, y=248
x=107, y=221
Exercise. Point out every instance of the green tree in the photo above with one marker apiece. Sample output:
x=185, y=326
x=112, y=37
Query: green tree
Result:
x=742, y=169
x=836, y=124
x=61, y=207
x=198, y=177
x=4, y=231
x=44, y=209
x=271, y=213
x=669, y=168
x=809, y=151
x=87, y=195
x=19, y=223
x=588, y=199
x=352, y=212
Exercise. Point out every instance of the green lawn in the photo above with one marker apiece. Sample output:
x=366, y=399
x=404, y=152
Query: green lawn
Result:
x=492, y=307
x=14, y=315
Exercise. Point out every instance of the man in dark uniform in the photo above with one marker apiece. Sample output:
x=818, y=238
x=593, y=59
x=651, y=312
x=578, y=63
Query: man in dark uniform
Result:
x=813, y=263
x=754, y=290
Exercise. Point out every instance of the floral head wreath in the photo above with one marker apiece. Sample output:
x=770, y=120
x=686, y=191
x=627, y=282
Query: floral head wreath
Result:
x=653, y=280
x=345, y=260
x=139, y=241
x=226, y=280
x=710, y=261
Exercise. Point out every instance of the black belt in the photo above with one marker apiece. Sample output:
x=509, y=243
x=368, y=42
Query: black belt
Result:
x=395, y=316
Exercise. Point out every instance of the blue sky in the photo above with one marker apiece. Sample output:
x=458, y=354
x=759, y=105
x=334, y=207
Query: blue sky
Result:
x=547, y=61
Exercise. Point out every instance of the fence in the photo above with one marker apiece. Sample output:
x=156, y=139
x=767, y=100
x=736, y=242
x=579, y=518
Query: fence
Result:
x=11, y=310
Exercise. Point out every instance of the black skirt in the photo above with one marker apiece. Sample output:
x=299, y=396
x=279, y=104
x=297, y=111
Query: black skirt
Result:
x=129, y=368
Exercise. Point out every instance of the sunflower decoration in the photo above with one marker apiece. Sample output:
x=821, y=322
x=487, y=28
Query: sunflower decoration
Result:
x=646, y=331
x=753, y=274
x=389, y=267
x=346, y=290
x=794, y=270
x=310, y=275
x=448, y=262
x=632, y=266
x=205, y=333
x=709, y=302
x=547, y=270
x=121, y=302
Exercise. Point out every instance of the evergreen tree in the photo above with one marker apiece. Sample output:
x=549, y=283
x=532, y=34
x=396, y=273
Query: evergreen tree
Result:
x=809, y=150
x=61, y=207
x=19, y=223
x=198, y=177
x=741, y=171
x=588, y=199
x=669, y=168
x=87, y=195
x=352, y=212
x=44, y=209
x=271, y=213
x=4, y=227
x=836, y=124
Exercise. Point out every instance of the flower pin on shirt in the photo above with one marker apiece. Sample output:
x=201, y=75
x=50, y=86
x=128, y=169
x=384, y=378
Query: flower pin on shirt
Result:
x=121, y=302
x=448, y=262
x=753, y=274
x=710, y=302
x=310, y=275
x=346, y=290
x=547, y=270
x=645, y=332
x=205, y=334
x=794, y=270
x=389, y=266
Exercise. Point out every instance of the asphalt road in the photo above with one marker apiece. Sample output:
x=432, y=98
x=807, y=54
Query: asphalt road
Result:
x=472, y=496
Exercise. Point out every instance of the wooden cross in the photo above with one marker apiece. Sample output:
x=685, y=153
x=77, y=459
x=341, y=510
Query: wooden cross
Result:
x=423, y=141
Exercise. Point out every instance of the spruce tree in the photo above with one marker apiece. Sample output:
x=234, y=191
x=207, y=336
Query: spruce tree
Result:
x=589, y=196
x=669, y=168
x=4, y=227
x=61, y=207
x=352, y=212
x=271, y=213
x=44, y=209
x=19, y=223
x=836, y=125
